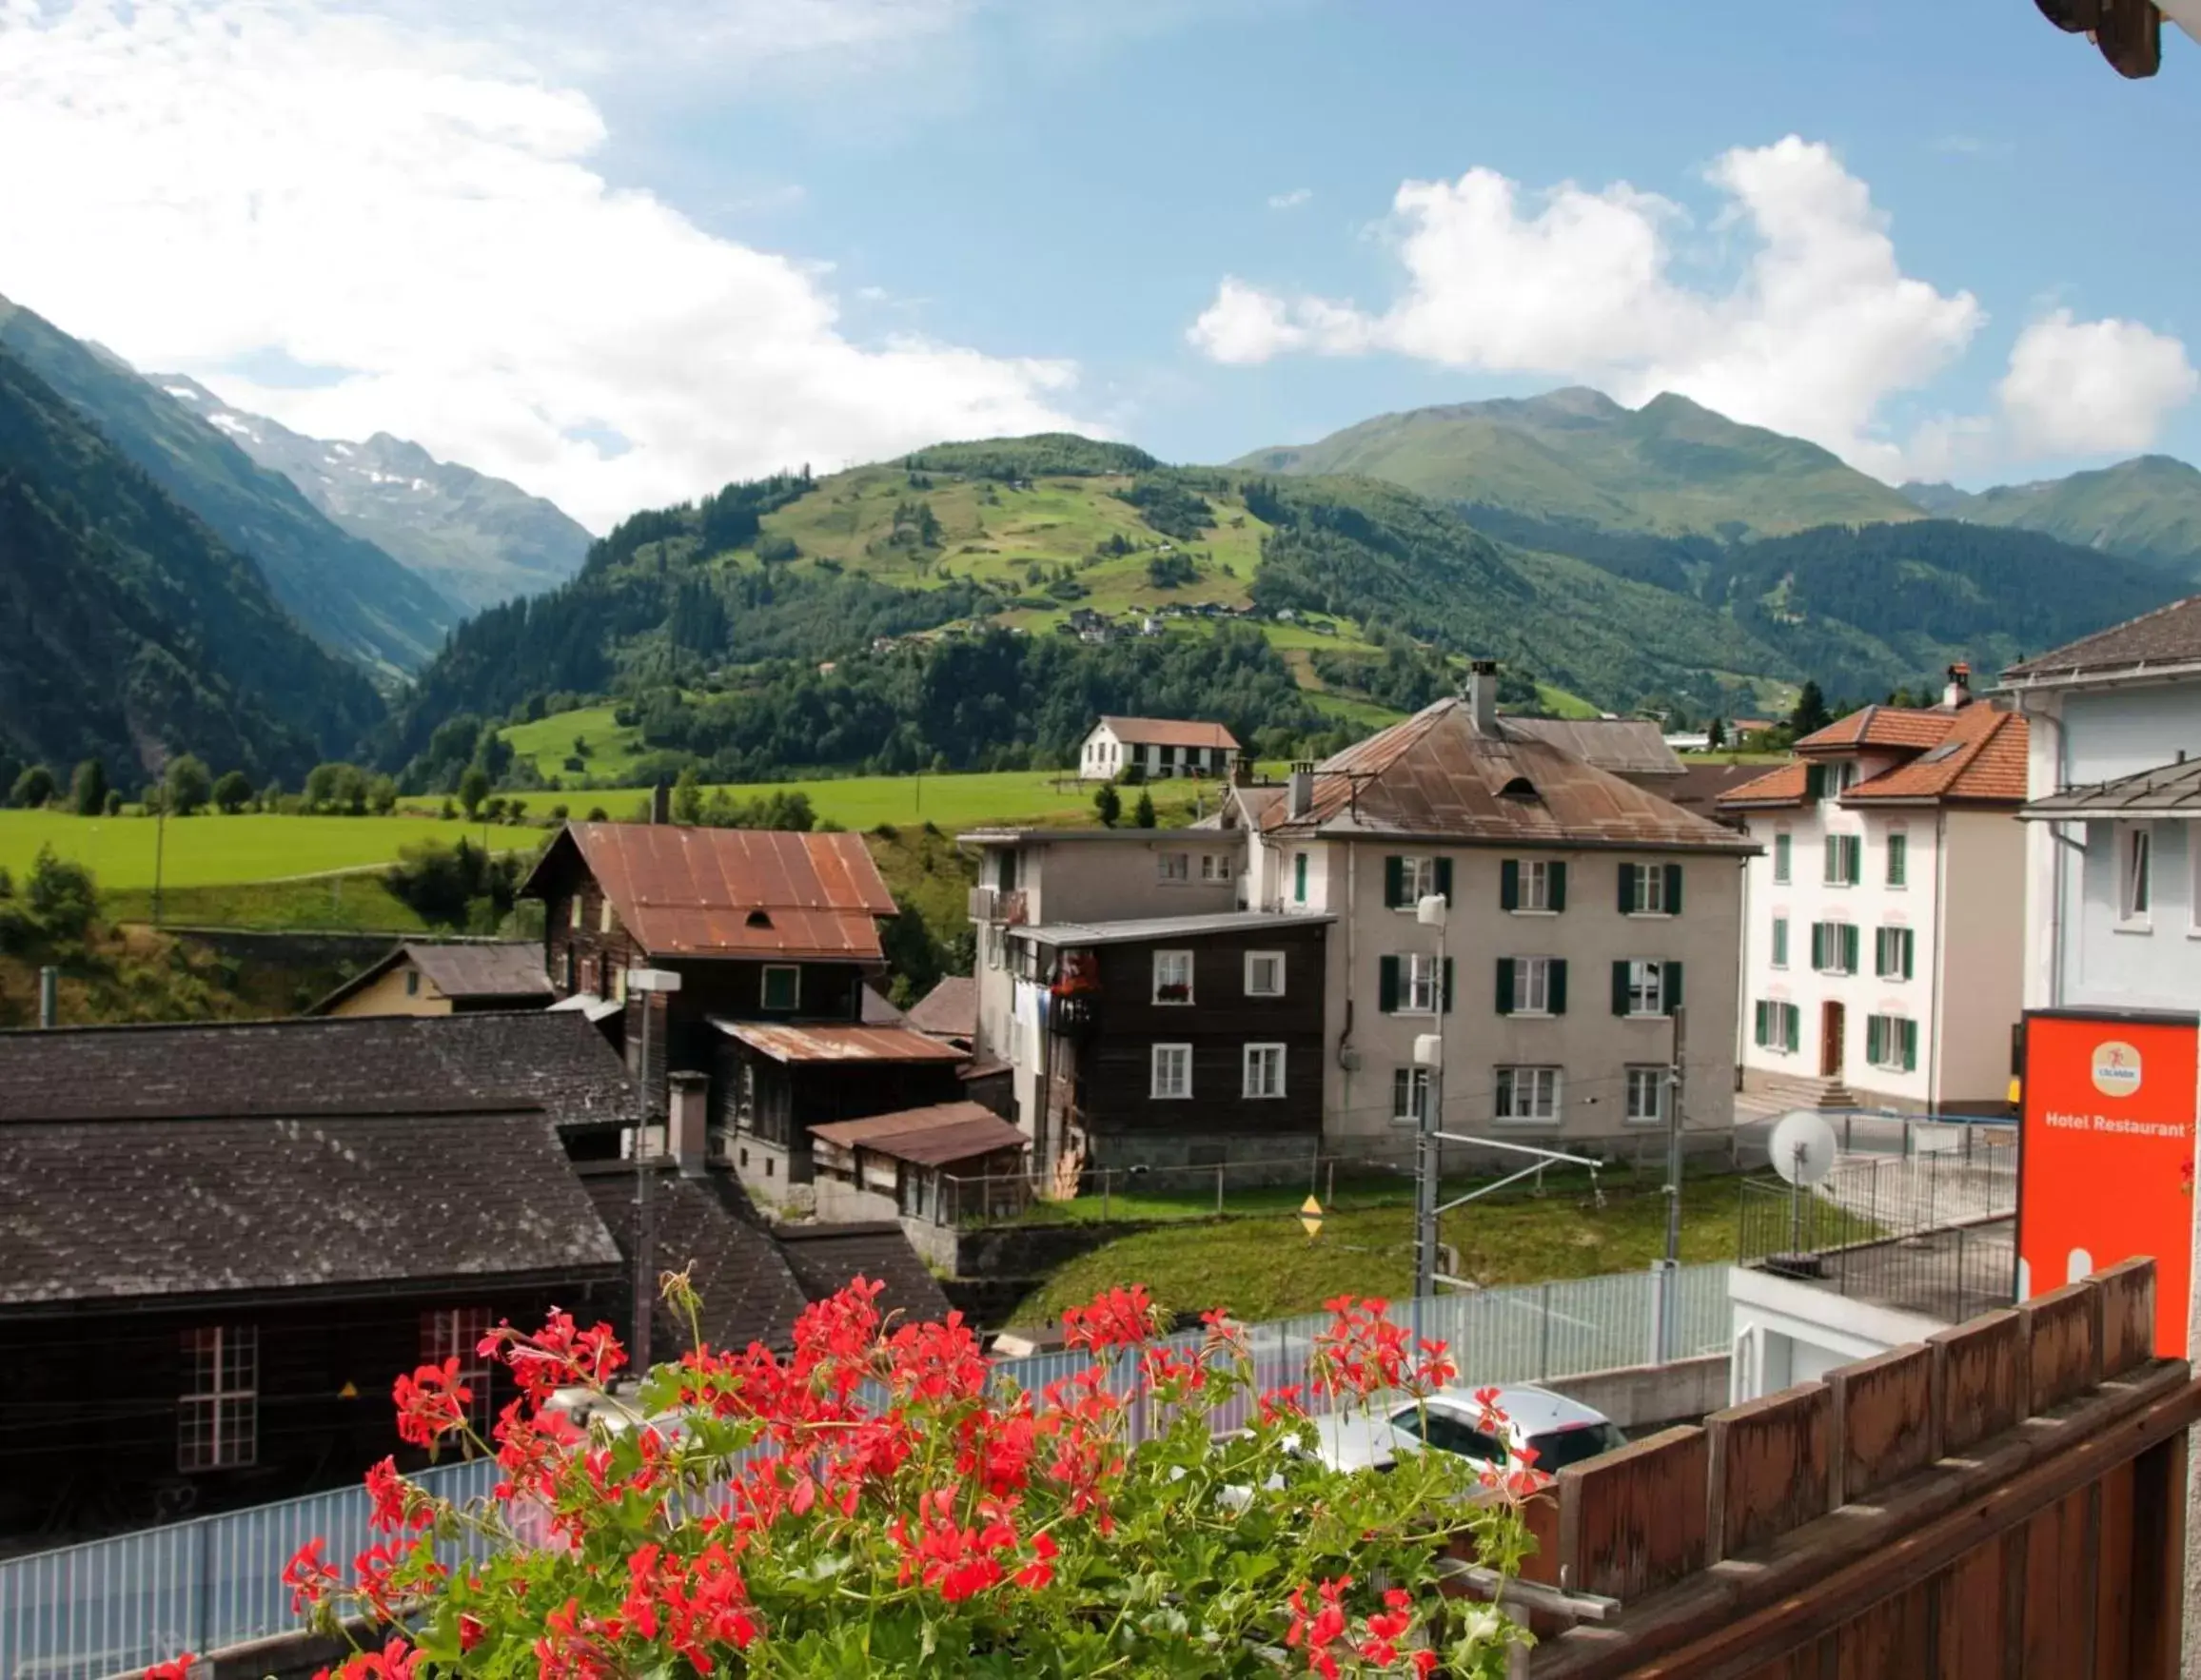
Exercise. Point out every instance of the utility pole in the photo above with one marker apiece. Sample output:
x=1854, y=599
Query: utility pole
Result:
x=1677, y=1077
x=1429, y=1054
x=160, y=846
x=649, y=981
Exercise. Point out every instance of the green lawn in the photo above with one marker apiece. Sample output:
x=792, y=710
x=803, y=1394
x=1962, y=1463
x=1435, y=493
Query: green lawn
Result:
x=1561, y=704
x=216, y=851
x=356, y=903
x=1266, y=1267
x=549, y=742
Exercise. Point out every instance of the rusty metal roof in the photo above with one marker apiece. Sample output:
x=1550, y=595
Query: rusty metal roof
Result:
x=1625, y=746
x=735, y=893
x=932, y=1136
x=1436, y=776
x=1170, y=732
x=784, y=1042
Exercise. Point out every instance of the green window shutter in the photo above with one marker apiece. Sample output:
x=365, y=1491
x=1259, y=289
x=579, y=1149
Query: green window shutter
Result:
x=1557, y=878
x=1558, y=987
x=1387, y=986
x=1673, y=889
x=1505, y=986
x=1849, y=947
x=1628, y=888
x=1620, y=988
x=1853, y=859
x=1875, y=1039
x=1394, y=882
x=1509, y=885
x=1814, y=781
x=1445, y=981
x=1781, y=852
x=1780, y=941
x=1831, y=851
x=1794, y=1028
x=1760, y=1022
x=1445, y=879
x=1299, y=878
x=1898, y=859
x=1910, y=1046
x=1817, y=946
x=1909, y=946
x=1671, y=973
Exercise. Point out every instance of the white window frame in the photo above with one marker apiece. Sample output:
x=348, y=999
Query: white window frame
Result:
x=1167, y=962
x=1214, y=866
x=1417, y=880
x=456, y=1333
x=1648, y=890
x=1176, y=1058
x=1891, y=1037
x=764, y=986
x=1535, y=886
x=1851, y=850
x=1254, y=958
x=2136, y=876
x=1889, y=939
x=218, y=1412
x=1174, y=868
x=1532, y=986
x=1545, y=1101
x=1842, y=775
x=1646, y=978
x=1420, y=979
x=1414, y=1083
x=1257, y=1063
x=1642, y=1077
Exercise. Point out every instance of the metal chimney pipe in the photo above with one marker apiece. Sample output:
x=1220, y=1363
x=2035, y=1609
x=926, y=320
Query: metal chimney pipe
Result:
x=1482, y=694
x=1299, y=790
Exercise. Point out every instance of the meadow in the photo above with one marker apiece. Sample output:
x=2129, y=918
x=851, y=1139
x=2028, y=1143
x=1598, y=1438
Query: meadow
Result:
x=210, y=850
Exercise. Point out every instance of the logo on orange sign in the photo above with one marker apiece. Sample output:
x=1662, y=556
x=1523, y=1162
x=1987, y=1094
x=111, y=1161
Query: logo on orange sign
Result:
x=2116, y=1068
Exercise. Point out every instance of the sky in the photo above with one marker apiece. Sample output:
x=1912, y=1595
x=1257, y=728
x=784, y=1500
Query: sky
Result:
x=621, y=254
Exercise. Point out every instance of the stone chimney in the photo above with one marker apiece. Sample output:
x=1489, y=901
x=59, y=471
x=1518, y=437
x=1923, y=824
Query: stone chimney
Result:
x=1958, y=694
x=1482, y=694
x=1299, y=790
x=689, y=1122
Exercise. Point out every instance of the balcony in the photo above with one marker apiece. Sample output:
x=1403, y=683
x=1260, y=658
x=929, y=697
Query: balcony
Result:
x=997, y=904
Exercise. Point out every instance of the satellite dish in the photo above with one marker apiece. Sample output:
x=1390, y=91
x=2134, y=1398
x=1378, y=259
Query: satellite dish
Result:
x=1802, y=1147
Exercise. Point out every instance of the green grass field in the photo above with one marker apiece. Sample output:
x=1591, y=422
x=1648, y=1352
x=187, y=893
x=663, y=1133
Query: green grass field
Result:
x=612, y=748
x=352, y=902
x=219, y=850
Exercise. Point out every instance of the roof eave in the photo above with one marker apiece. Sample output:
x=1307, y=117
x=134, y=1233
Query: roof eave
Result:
x=2072, y=677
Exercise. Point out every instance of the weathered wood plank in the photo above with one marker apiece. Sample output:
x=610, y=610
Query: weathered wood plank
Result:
x=1968, y=1617
x=1771, y=1467
x=1635, y=1520
x=2058, y=1600
x=2128, y=1315
x=1981, y=1366
x=1887, y=1639
x=2062, y=1359
x=2158, y=1554
x=1882, y=1421
x=2113, y=1574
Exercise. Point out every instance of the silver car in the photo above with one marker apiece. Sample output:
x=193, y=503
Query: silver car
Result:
x=1562, y=1431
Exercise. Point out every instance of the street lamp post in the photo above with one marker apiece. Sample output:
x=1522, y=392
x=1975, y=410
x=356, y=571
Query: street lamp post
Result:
x=647, y=981
x=1429, y=1054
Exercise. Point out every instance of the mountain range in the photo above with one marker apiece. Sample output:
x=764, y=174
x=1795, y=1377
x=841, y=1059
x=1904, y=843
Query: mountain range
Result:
x=478, y=540
x=2146, y=508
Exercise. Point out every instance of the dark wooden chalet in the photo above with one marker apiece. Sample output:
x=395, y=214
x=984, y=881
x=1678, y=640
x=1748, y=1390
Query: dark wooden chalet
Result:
x=1180, y=1041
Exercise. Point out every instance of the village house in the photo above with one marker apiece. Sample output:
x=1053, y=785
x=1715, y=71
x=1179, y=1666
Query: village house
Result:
x=937, y=1163
x=2113, y=864
x=423, y=977
x=1882, y=947
x=1157, y=747
x=1584, y=914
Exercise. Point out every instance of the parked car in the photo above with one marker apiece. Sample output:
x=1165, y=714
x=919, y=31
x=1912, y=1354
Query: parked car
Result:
x=1562, y=1431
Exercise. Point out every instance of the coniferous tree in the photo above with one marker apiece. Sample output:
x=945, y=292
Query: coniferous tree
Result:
x=87, y=788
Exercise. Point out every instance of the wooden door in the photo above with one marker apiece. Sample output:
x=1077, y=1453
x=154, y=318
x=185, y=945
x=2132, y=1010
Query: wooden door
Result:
x=1833, y=1029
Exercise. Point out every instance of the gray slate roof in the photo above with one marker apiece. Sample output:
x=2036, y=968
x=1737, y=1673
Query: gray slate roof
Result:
x=506, y=970
x=2169, y=636
x=1624, y=746
x=135, y=1208
x=2168, y=790
x=827, y=1259
x=709, y=1225
x=366, y=1065
x=949, y=1011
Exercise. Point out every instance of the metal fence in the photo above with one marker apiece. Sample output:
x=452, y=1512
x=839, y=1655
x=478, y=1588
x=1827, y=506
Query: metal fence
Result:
x=110, y=1606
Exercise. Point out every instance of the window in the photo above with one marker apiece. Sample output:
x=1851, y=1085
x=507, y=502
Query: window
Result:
x=782, y=986
x=218, y=1414
x=1898, y=859
x=573, y=911
x=412, y=983
x=1834, y=948
x=1214, y=866
x=1780, y=941
x=1528, y=1094
x=1410, y=1095
x=606, y=921
x=1779, y=1027
x=1650, y=889
x=1172, y=977
x=1646, y=1095
x=1782, y=849
x=1891, y=949
x=1413, y=983
x=1844, y=860
x=572, y=968
x=1531, y=985
x=1420, y=997
x=456, y=1333
x=1299, y=877
x=1831, y=780
x=1005, y=870
x=1263, y=974
x=1534, y=886
x=1264, y=1071
x=1646, y=987
x=619, y=988
x=1172, y=1072
x=2135, y=871
x=1891, y=1043
x=1174, y=865
x=1409, y=880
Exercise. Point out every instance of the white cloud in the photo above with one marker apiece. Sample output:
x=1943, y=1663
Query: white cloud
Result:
x=222, y=183
x=2086, y=387
x=1819, y=329
x=1290, y=200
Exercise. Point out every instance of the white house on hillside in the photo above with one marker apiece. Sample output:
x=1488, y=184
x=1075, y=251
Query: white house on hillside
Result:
x=1883, y=934
x=1160, y=747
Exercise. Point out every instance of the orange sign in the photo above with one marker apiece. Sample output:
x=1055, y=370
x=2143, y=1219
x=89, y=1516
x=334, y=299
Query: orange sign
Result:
x=2106, y=1163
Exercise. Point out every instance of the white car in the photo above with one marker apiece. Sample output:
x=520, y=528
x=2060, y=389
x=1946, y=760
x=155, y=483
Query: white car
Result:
x=1562, y=1431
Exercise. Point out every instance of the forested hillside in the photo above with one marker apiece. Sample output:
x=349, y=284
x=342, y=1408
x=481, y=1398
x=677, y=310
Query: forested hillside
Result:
x=2146, y=508
x=129, y=632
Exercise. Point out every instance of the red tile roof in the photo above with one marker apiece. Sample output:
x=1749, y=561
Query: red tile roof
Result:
x=1879, y=725
x=1170, y=732
x=1973, y=755
x=713, y=892
x=1785, y=786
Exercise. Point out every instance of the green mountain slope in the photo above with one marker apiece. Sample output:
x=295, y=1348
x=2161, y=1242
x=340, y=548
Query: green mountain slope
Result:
x=1575, y=454
x=128, y=631
x=347, y=593
x=2146, y=508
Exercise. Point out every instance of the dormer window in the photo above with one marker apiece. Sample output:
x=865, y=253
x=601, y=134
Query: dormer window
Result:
x=1520, y=787
x=759, y=919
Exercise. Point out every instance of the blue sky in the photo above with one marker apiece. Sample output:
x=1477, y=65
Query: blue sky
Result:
x=620, y=260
